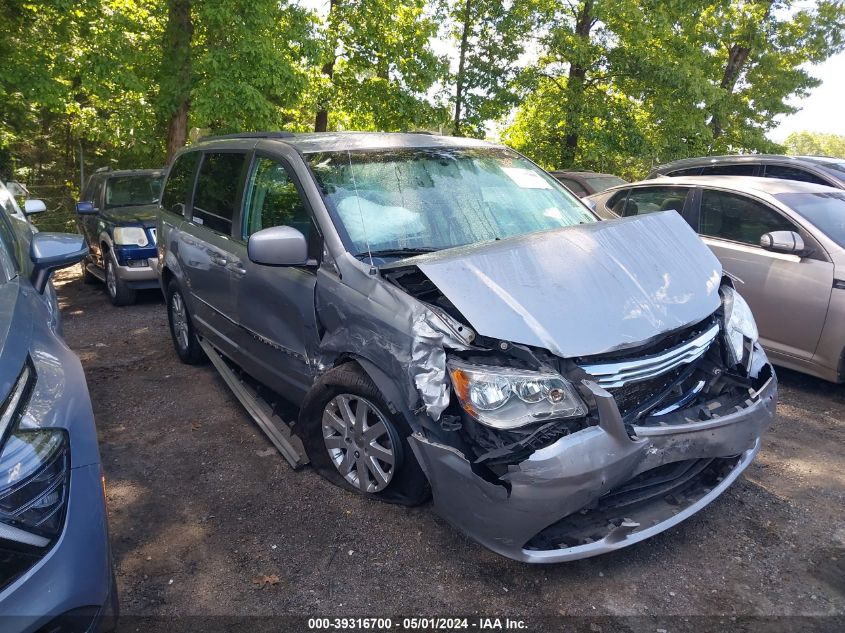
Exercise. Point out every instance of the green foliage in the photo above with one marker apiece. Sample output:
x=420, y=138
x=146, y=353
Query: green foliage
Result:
x=815, y=144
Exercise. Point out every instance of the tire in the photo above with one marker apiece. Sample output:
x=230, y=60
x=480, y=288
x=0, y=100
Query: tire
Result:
x=87, y=278
x=182, y=331
x=335, y=448
x=119, y=293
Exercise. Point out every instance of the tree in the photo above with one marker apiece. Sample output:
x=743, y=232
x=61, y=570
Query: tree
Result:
x=377, y=66
x=815, y=144
x=175, y=76
x=490, y=36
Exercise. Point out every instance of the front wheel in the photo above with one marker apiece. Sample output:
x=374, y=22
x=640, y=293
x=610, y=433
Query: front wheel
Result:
x=119, y=293
x=181, y=327
x=354, y=441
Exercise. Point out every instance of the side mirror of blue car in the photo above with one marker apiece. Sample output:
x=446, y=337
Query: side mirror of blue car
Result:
x=52, y=251
x=85, y=207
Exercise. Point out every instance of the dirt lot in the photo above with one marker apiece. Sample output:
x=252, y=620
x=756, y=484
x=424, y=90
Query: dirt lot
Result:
x=202, y=507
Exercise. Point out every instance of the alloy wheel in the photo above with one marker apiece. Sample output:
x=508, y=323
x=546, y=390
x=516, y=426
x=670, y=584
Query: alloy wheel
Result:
x=111, y=279
x=359, y=443
x=179, y=319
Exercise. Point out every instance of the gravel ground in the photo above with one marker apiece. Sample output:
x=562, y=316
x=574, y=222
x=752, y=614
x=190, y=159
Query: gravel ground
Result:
x=207, y=519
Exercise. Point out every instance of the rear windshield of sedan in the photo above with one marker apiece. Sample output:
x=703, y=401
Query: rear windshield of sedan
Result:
x=600, y=183
x=826, y=211
x=130, y=191
x=435, y=198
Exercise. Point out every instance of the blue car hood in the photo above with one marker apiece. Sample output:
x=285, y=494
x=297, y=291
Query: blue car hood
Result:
x=582, y=290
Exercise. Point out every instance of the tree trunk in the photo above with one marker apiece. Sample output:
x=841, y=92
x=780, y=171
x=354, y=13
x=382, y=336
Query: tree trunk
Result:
x=459, y=80
x=321, y=121
x=575, y=90
x=175, y=79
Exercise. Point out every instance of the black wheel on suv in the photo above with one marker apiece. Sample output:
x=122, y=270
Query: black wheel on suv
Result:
x=119, y=293
x=181, y=327
x=354, y=441
x=87, y=277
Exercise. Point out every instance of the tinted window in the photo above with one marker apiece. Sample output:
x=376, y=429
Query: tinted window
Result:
x=272, y=200
x=791, y=173
x=689, y=171
x=128, y=191
x=576, y=187
x=93, y=190
x=652, y=199
x=737, y=218
x=180, y=181
x=616, y=203
x=217, y=190
x=744, y=169
x=825, y=210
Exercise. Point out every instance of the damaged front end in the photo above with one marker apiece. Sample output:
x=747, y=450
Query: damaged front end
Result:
x=626, y=396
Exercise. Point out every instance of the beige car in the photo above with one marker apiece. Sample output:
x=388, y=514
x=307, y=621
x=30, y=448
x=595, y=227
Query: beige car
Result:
x=783, y=240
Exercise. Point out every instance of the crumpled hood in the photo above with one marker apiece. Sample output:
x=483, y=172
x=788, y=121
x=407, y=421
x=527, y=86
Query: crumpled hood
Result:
x=145, y=215
x=582, y=290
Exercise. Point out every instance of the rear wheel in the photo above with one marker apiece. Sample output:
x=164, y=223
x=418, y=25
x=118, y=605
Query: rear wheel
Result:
x=181, y=327
x=354, y=441
x=119, y=293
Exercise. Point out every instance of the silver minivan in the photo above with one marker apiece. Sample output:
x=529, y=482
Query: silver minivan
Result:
x=451, y=322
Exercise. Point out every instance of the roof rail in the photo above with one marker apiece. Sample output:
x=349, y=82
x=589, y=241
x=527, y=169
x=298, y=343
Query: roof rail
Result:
x=248, y=135
x=102, y=169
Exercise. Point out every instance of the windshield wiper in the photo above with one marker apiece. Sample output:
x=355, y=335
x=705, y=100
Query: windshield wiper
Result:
x=396, y=252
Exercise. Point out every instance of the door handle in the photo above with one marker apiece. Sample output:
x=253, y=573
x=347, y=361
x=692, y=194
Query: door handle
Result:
x=220, y=261
x=236, y=268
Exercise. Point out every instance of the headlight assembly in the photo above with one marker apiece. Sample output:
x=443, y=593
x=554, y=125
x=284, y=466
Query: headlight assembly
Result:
x=130, y=236
x=34, y=472
x=739, y=324
x=507, y=398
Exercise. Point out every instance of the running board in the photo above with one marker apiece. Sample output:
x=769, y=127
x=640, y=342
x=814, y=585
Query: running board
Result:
x=279, y=432
x=98, y=272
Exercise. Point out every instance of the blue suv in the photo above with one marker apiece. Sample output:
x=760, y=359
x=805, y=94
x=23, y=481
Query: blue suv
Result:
x=117, y=216
x=55, y=562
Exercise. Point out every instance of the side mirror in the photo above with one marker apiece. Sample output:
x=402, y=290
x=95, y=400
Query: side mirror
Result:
x=52, y=251
x=34, y=206
x=85, y=207
x=278, y=246
x=783, y=242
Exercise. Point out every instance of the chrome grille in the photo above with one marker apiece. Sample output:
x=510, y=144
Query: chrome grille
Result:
x=619, y=373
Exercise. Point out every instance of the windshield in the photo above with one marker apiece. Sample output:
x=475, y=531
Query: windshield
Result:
x=600, y=183
x=433, y=198
x=824, y=210
x=129, y=191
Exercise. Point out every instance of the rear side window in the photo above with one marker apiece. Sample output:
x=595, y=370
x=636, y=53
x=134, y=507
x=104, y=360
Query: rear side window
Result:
x=645, y=200
x=273, y=200
x=689, y=171
x=177, y=189
x=737, y=218
x=217, y=190
x=745, y=169
x=576, y=187
x=785, y=172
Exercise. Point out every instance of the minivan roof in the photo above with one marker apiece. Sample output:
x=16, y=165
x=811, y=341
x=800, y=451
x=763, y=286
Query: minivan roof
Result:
x=312, y=142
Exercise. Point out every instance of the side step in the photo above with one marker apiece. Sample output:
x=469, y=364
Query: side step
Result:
x=279, y=432
x=98, y=272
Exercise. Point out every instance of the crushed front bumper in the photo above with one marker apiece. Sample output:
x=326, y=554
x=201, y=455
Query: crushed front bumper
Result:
x=578, y=470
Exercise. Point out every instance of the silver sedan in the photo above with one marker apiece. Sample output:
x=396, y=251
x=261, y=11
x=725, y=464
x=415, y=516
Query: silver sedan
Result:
x=783, y=240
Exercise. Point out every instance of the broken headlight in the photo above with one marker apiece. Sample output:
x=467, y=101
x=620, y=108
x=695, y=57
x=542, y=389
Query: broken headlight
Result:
x=506, y=398
x=739, y=324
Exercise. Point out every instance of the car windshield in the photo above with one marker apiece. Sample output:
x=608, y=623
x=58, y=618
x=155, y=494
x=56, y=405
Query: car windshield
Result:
x=600, y=183
x=824, y=210
x=130, y=191
x=399, y=201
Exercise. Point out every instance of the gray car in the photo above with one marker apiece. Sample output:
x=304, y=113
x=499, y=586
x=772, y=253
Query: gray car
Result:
x=55, y=562
x=821, y=170
x=782, y=240
x=451, y=321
